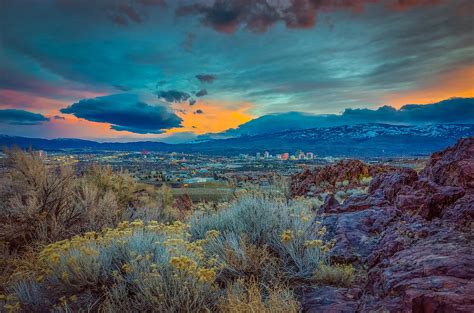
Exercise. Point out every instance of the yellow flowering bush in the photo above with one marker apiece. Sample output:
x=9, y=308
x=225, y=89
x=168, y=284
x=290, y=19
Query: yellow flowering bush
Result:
x=155, y=265
x=287, y=236
x=183, y=267
x=285, y=229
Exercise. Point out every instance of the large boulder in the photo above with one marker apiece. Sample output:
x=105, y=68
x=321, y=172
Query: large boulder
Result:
x=324, y=179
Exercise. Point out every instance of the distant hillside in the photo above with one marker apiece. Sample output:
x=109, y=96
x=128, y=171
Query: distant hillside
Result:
x=349, y=140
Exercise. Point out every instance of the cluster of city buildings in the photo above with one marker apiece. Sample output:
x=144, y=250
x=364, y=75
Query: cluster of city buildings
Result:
x=299, y=155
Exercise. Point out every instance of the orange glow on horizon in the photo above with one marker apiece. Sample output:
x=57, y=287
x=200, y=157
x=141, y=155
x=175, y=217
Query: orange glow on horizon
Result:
x=458, y=83
x=217, y=116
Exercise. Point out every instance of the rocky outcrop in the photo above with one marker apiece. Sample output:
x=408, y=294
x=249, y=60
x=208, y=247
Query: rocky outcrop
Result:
x=412, y=233
x=347, y=172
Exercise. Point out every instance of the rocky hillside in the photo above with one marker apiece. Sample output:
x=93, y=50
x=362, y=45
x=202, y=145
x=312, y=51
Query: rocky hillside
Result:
x=411, y=234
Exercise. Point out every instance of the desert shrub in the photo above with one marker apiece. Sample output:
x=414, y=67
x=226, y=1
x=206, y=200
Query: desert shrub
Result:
x=135, y=267
x=105, y=180
x=99, y=209
x=241, y=259
x=279, y=187
x=37, y=201
x=44, y=203
x=155, y=205
x=287, y=230
x=340, y=275
x=248, y=297
x=312, y=203
x=365, y=180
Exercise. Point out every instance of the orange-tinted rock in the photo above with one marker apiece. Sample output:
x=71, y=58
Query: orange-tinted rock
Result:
x=325, y=178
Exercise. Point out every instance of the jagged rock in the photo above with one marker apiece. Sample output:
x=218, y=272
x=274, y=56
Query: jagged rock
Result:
x=387, y=185
x=461, y=213
x=427, y=199
x=433, y=272
x=356, y=233
x=330, y=204
x=331, y=300
x=326, y=178
x=453, y=166
x=413, y=234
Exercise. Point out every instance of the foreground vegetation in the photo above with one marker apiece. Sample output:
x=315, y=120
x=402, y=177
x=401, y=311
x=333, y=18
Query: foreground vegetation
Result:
x=100, y=242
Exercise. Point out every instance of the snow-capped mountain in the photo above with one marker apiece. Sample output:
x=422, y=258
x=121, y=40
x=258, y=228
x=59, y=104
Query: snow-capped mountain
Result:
x=349, y=140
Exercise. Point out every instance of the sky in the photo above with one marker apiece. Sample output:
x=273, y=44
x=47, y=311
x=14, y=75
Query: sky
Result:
x=174, y=70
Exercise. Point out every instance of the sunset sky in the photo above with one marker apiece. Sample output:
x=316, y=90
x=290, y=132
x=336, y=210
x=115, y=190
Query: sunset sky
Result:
x=172, y=69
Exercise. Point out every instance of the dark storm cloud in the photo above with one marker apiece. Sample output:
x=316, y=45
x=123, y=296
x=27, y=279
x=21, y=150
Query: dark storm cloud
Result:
x=126, y=112
x=205, y=78
x=59, y=117
x=173, y=95
x=257, y=15
x=451, y=111
x=21, y=117
x=199, y=111
x=192, y=101
x=201, y=93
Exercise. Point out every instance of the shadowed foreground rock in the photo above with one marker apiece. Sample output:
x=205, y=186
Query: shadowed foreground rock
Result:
x=414, y=235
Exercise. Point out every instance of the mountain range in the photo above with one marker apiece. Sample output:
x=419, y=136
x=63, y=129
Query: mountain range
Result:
x=449, y=111
x=361, y=140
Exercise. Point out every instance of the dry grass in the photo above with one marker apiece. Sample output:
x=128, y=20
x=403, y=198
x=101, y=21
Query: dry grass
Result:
x=339, y=275
x=248, y=297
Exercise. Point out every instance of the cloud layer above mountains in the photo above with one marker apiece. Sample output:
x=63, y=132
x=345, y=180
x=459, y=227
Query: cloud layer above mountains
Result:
x=451, y=111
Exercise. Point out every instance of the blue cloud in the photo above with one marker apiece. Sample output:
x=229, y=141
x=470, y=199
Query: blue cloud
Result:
x=173, y=95
x=205, y=78
x=126, y=112
x=201, y=93
x=21, y=117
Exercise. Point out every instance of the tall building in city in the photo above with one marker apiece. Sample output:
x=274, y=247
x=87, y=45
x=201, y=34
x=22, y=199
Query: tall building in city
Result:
x=266, y=154
x=285, y=156
x=309, y=155
x=258, y=155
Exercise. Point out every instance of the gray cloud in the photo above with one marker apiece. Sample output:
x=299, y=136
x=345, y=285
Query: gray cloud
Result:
x=258, y=15
x=205, y=78
x=125, y=13
x=201, y=93
x=59, y=117
x=199, y=111
x=126, y=112
x=173, y=95
x=21, y=117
